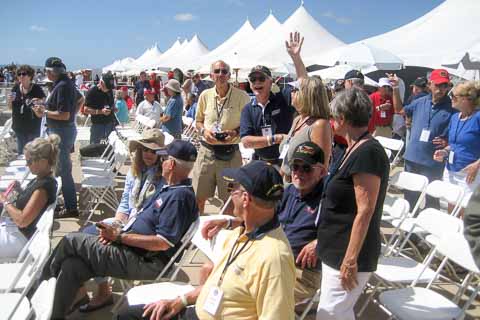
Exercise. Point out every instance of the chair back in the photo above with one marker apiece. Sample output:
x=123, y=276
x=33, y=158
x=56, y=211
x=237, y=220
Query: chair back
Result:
x=447, y=191
x=42, y=300
x=396, y=207
x=438, y=223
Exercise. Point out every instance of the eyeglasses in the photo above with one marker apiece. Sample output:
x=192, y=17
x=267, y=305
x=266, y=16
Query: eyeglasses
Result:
x=145, y=149
x=222, y=71
x=259, y=78
x=22, y=74
x=442, y=86
x=306, y=168
x=231, y=187
x=452, y=95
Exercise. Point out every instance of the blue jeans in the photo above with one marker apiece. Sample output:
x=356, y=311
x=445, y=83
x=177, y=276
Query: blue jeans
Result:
x=23, y=139
x=100, y=131
x=68, y=135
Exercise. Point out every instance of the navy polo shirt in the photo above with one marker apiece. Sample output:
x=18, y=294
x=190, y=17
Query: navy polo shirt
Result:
x=169, y=214
x=433, y=117
x=278, y=114
x=298, y=216
x=62, y=99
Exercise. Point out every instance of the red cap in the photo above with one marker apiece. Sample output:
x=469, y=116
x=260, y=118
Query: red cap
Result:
x=439, y=76
x=170, y=75
x=124, y=88
x=148, y=91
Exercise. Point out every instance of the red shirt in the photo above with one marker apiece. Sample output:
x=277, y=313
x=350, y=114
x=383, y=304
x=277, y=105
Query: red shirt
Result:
x=337, y=139
x=129, y=102
x=380, y=118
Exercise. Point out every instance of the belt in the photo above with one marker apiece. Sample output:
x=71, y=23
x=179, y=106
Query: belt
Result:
x=212, y=146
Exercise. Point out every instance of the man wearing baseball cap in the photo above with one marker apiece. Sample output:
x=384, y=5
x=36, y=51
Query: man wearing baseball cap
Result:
x=99, y=103
x=139, y=250
x=149, y=107
x=266, y=120
x=140, y=86
x=354, y=78
x=255, y=273
x=430, y=118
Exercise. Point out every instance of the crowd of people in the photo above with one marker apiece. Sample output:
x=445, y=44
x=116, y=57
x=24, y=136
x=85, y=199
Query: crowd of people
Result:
x=307, y=207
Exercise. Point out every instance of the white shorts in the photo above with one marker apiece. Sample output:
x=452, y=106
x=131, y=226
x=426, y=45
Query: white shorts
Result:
x=459, y=179
x=12, y=240
x=335, y=302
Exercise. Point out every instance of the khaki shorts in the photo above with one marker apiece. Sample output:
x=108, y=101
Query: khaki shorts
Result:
x=383, y=132
x=206, y=174
x=307, y=282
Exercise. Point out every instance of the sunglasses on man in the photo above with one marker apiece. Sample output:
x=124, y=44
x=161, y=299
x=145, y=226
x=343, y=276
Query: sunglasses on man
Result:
x=222, y=71
x=22, y=74
x=257, y=78
x=305, y=168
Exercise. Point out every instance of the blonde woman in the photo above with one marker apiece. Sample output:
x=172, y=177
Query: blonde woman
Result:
x=462, y=153
x=309, y=97
x=23, y=213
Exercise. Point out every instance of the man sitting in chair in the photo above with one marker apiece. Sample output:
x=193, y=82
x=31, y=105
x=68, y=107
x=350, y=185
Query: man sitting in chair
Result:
x=255, y=273
x=142, y=248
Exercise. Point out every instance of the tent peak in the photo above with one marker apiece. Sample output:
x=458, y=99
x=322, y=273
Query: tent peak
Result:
x=302, y=3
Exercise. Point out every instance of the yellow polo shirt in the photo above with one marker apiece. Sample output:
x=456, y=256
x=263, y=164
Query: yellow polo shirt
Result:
x=235, y=100
x=259, y=284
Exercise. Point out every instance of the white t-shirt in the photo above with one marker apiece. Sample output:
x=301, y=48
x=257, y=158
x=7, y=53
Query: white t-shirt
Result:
x=149, y=110
x=79, y=80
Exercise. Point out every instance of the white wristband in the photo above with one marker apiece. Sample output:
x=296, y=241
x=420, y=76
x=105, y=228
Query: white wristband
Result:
x=183, y=299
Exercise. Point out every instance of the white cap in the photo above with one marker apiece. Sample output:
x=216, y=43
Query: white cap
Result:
x=384, y=82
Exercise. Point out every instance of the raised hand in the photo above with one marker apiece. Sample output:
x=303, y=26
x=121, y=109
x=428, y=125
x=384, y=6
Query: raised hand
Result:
x=294, y=45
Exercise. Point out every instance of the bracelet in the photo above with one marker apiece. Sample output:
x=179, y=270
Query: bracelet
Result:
x=184, y=300
x=268, y=141
x=45, y=113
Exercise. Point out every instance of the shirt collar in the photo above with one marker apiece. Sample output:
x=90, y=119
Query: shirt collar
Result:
x=184, y=183
x=228, y=93
x=316, y=192
x=261, y=231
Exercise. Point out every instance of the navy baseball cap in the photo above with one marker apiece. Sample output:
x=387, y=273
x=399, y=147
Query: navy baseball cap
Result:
x=354, y=74
x=181, y=150
x=420, y=82
x=109, y=81
x=259, y=178
x=260, y=69
x=308, y=152
x=54, y=63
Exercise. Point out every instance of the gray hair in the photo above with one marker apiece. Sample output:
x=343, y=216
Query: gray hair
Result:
x=354, y=105
x=212, y=66
x=184, y=165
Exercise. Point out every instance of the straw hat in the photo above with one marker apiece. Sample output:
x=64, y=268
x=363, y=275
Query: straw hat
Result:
x=173, y=85
x=151, y=138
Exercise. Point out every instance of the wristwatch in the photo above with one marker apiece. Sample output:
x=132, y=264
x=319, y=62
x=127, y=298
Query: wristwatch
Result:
x=45, y=113
x=118, y=238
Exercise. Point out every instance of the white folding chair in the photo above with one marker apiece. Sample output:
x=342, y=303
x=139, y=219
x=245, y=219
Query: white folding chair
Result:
x=395, y=145
x=424, y=303
x=42, y=300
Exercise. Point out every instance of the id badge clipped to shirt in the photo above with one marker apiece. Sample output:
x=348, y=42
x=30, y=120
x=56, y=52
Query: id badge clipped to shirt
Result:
x=283, y=154
x=213, y=301
x=383, y=114
x=425, y=135
x=267, y=131
x=451, y=156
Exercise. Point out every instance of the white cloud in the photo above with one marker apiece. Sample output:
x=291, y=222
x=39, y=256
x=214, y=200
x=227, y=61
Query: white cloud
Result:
x=184, y=17
x=340, y=20
x=37, y=28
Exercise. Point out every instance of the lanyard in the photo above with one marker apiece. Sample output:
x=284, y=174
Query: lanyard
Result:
x=220, y=111
x=231, y=258
x=431, y=116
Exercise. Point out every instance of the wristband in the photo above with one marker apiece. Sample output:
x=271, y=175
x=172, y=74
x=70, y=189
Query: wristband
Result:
x=183, y=299
x=45, y=113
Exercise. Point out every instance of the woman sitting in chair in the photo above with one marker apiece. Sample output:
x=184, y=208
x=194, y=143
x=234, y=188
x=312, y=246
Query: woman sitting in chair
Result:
x=20, y=217
x=143, y=178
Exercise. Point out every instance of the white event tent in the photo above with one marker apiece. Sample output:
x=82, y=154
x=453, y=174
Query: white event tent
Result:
x=185, y=56
x=144, y=60
x=450, y=28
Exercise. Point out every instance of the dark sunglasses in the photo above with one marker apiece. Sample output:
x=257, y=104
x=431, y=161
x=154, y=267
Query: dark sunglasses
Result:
x=302, y=167
x=231, y=187
x=22, y=74
x=259, y=78
x=222, y=71
x=442, y=86
x=145, y=149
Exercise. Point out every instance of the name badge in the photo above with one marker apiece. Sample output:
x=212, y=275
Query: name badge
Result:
x=267, y=131
x=425, y=136
x=283, y=154
x=451, y=156
x=383, y=114
x=275, y=112
x=213, y=301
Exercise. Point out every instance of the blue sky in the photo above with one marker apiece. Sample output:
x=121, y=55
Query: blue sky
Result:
x=93, y=33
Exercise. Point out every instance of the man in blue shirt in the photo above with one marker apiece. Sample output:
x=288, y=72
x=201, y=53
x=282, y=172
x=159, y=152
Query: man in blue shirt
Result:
x=198, y=85
x=430, y=118
x=267, y=118
x=172, y=118
x=140, y=86
x=141, y=248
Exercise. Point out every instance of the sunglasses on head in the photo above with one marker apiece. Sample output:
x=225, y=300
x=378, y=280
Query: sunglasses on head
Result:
x=302, y=167
x=145, y=149
x=22, y=74
x=259, y=78
x=222, y=71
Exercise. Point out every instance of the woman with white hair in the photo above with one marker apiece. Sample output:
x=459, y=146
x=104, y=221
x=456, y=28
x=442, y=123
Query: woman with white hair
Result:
x=463, y=150
x=23, y=213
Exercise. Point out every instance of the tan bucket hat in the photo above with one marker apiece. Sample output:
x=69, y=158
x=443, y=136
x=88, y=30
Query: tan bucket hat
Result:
x=151, y=138
x=173, y=85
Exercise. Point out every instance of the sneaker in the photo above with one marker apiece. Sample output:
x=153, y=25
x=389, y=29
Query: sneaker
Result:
x=67, y=213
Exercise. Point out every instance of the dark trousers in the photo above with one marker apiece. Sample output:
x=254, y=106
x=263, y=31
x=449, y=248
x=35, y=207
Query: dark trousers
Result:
x=136, y=312
x=80, y=256
x=431, y=174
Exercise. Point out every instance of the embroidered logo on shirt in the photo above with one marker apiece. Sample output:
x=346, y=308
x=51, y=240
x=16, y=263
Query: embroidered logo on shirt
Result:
x=310, y=210
x=158, y=203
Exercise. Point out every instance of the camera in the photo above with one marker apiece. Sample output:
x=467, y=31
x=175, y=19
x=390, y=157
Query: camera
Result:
x=220, y=136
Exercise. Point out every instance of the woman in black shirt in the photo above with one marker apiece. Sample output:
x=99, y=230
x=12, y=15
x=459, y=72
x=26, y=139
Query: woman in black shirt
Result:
x=24, y=122
x=349, y=227
x=24, y=213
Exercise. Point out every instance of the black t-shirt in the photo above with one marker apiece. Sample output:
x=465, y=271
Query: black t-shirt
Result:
x=339, y=209
x=49, y=184
x=97, y=99
x=139, y=87
x=23, y=117
x=62, y=99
